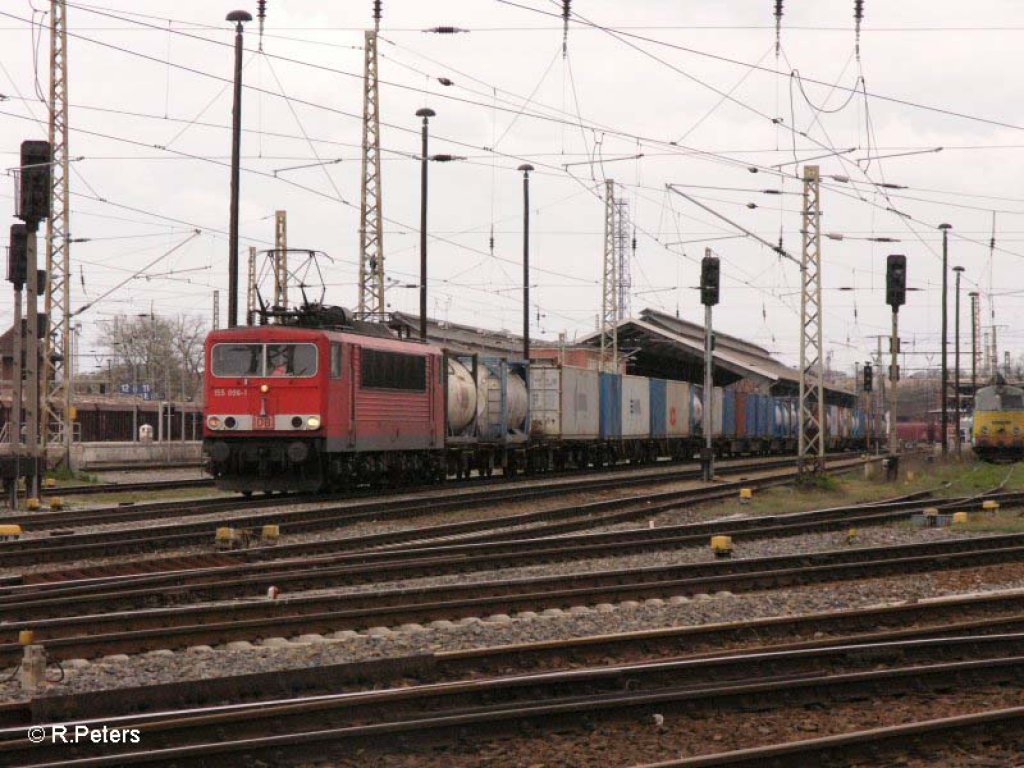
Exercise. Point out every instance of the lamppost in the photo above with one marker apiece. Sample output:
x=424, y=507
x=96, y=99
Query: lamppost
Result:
x=945, y=369
x=239, y=17
x=974, y=342
x=526, y=168
x=426, y=113
x=956, y=355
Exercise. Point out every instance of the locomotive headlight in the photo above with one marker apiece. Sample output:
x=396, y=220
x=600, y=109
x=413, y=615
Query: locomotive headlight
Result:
x=313, y=422
x=213, y=422
x=264, y=388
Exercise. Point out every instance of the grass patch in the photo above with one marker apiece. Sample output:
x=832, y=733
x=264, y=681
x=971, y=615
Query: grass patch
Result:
x=141, y=497
x=961, y=478
x=964, y=478
x=818, y=482
x=64, y=475
x=1003, y=522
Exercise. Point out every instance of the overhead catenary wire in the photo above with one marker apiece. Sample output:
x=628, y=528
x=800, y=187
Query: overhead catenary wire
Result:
x=494, y=156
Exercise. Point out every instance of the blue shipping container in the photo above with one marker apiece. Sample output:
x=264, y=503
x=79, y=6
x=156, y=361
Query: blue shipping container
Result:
x=611, y=406
x=780, y=417
x=753, y=404
x=729, y=413
x=658, y=400
x=764, y=428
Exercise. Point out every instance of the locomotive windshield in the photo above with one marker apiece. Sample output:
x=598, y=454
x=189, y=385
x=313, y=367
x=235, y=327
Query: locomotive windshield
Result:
x=237, y=359
x=1000, y=399
x=260, y=360
x=291, y=359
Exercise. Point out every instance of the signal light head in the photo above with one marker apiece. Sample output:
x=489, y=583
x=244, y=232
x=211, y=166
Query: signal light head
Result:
x=709, y=280
x=896, y=281
x=33, y=203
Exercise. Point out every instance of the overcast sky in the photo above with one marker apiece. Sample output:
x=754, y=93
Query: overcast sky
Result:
x=694, y=86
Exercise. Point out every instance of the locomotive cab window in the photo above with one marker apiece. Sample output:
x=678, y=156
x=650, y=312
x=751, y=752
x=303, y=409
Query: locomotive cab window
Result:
x=1012, y=401
x=392, y=370
x=335, y=361
x=291, y=360
x=237, y=360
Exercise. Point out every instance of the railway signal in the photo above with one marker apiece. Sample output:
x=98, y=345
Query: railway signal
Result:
x=709, y=279
x=895, y=297
x=868, y=377
x=32, y=206
x=34, y=183
x=896, y=281
x=17, y=256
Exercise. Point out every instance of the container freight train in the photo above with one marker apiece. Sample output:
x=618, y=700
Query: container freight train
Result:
x=299, y=408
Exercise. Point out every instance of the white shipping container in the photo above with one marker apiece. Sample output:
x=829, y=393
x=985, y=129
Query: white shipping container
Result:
x=564, y=402
x=717, y=403
x=696, y=407
x=677, y=408
x=581, y=403
x=636, y=406
x=545, y=400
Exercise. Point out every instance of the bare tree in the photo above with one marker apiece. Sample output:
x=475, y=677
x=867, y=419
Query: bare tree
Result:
x=163, y=352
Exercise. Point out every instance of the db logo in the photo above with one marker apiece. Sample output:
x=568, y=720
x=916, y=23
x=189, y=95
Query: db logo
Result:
x=672, y=415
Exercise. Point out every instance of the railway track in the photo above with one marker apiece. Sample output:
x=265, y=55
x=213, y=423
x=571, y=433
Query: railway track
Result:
x=622, y=476
x=67, y=636
x=430, y=715
x=875, y=744
x=221, y=578
x=974, y=615
x=93, y=489
x=115, y=542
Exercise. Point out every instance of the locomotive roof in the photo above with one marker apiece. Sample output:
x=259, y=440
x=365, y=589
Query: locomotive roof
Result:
x=265, y=333
x=1001, y=388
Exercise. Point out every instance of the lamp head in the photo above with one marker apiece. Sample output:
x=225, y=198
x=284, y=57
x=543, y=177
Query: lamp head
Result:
x=525, y=168
x=425, y=112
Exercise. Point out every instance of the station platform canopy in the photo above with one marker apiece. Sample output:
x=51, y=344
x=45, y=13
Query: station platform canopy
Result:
x=461, y=338
x=659, y=344
x=652, y=344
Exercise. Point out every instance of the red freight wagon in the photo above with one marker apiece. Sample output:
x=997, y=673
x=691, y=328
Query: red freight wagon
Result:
x=914, y=432
x=293, y=408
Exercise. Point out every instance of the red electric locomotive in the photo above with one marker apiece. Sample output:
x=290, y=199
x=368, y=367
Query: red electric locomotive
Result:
x=293, y=407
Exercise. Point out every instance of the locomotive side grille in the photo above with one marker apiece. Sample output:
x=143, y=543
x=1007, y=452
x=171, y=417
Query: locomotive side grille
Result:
x=384, y=406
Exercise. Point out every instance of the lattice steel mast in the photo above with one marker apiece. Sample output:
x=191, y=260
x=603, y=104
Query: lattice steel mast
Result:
x=371, y=227
x=609, y=281
x=812, y=390
x=280, y=260
x=251, y=288
x=56, y=412
x=625, y=280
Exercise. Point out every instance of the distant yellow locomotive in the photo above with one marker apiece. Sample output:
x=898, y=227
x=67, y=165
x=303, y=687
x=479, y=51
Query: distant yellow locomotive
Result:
x=998, y=431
